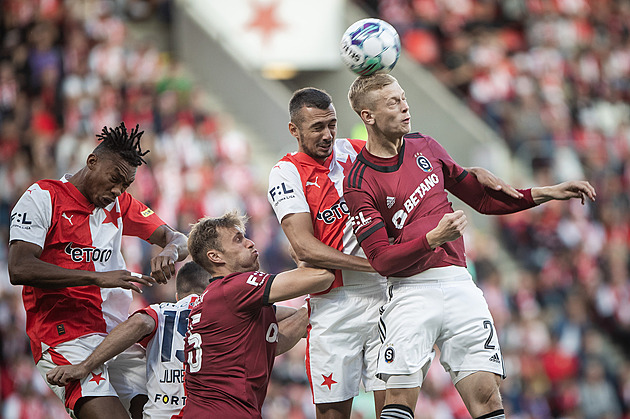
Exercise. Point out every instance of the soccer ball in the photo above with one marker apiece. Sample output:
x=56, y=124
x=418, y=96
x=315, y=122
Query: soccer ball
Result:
x=370, y=46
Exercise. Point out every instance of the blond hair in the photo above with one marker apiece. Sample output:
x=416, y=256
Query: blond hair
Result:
x=204, y=236
x=363, y=85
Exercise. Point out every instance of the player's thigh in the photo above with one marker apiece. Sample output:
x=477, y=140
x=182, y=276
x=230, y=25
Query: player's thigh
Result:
x=336, y=341
x=468, y=341
x=96, y=384
x=409, y=327
x=372, y=342
x=128, y=374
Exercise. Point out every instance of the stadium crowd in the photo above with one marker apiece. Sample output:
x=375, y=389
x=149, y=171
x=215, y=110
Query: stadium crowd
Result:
x=550, y=76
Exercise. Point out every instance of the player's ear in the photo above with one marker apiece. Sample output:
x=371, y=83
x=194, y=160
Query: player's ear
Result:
x=215, y=256
x=91, y=161
x=293, y=129
x=367, y=117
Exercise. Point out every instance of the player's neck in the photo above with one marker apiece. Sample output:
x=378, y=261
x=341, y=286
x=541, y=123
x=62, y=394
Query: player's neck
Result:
x=380, y=146
x=78, y=180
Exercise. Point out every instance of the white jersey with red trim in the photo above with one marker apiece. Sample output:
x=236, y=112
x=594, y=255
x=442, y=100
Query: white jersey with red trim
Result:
x=165, y=357
x=299, y=184
x=74, y=234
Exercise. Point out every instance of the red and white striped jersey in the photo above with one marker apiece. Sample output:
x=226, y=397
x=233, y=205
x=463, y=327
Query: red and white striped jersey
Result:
x=74, y=234
x=165, y=357
x=299, y=184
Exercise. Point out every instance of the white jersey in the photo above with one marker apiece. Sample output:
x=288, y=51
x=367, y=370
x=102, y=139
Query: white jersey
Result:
x=165, y=358
x=299, y=184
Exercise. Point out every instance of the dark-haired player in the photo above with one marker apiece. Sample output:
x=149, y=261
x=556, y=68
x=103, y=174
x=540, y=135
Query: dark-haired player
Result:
x=305, y=191
x=65, y=240
x=235, y=331
x=397, y=192
x=161, y=329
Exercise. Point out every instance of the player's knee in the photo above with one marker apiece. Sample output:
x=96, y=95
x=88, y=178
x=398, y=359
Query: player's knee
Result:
x=488, y=398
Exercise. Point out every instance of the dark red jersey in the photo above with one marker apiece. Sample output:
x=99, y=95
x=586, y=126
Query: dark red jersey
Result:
x=404, y=197
x=230, y=347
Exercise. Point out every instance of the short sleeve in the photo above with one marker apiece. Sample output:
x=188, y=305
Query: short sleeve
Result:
x=248, y=291
x=138, y=219
x=285, y=193
x=152, y=311
x=453, y=172
x=31, y=217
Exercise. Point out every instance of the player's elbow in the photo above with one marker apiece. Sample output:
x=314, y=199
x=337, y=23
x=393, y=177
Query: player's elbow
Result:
x=301, y=253
x=18, y=272
x=143, y=324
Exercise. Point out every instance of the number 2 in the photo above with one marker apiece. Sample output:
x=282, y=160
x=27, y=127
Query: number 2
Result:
x=487, y=324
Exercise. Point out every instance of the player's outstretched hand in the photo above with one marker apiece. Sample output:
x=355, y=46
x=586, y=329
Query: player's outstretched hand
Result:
x=60, y=376
x=122, y=279
x=451, y=227
x=489, y=180
x=566, y=190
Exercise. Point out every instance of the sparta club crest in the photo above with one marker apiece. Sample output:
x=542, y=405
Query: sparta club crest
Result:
x=424, y=163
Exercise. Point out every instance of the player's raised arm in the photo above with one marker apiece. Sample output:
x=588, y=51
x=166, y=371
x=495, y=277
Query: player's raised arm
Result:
x=25, y=268
x=120, y=338
x=298, y=282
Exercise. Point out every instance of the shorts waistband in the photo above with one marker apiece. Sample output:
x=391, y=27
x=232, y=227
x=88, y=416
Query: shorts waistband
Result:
x=435, y=275
x=351, y=290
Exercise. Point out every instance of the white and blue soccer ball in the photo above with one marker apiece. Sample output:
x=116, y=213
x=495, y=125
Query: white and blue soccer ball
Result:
x=370, y=46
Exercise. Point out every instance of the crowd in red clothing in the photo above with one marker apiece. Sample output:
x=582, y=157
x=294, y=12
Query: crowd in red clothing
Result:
x=66, y=70
x=550, y=76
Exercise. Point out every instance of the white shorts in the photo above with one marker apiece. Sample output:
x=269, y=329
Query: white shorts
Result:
x=343, y=342
x=443, y=307
x=124, y=376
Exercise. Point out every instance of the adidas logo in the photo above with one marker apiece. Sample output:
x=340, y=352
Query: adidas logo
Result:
x=390, y=201
x=495, y=358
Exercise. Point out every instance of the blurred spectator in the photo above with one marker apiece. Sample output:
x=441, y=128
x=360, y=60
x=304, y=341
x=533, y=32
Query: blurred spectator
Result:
x=550, y=76
x=66, y=70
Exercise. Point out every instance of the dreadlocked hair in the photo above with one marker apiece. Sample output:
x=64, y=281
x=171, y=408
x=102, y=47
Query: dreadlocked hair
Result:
x=119, y=142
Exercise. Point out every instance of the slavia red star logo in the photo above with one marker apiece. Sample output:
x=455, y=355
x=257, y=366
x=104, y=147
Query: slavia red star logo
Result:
x=328, y=381
x=112, y=216
x=347, y=165
x=264, y=19
x=98, y=378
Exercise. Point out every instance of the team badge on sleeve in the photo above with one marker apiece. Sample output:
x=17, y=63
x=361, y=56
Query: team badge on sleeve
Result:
x=147, y=212
x=424, y=163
